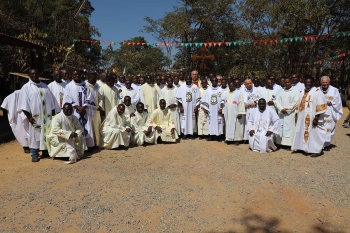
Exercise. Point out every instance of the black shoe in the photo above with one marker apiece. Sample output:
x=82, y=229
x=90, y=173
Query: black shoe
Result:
x=35, y=159
x=236, y=143
x=219, y=139
x=327, y=148
x=184, y=137
x=192, y=137
x=90, y=149
x=26, y=150
x=44, y=154
x=209, y=138
x=315, y=155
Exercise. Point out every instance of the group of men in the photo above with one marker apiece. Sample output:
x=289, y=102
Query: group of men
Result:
x=70, y=116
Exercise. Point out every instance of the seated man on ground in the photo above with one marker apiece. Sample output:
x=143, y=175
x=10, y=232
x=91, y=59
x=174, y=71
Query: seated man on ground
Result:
x=262, y=124
x=140, y=133
x=163, y=124
x=114, y=129
x=65, y=138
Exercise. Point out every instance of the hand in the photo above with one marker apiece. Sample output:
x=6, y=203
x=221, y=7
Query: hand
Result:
x=120, y=90
x=205, y=111
x=172, y=130
x=73, y=135
x=220, y=111
x=182, y=109
x=146, y=132
x=32, y=120
x=128, y=130
x=159, y=130
x=270, y=103
x=329, y=103
x=252, y=105
x=246, y=105
x=82, y=111
x=145, y=110
x=103, y=113
x=251, y=133
x=268, y=133
x=99, y=109
x=284, y=110
x=132, y=114
x=172, y=106
x=315, y=121
x=195, y=110
x=239, y=116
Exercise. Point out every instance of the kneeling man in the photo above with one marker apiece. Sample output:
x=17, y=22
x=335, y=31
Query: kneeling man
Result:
x=262, y=124
x=65, y=138
x=140, y=133
x=163, y=124
x=114, y=129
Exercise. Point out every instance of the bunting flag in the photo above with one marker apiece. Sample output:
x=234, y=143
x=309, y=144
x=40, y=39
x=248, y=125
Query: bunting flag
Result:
x=328, y=60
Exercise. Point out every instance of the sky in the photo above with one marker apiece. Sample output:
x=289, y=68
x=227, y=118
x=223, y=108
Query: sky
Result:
x=122, y=20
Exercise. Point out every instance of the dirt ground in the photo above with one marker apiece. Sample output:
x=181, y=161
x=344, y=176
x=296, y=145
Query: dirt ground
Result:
x=193, y=186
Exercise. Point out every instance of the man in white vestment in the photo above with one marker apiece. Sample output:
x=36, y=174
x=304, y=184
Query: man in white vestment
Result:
x=163, y=124
x=202, y=116
x=224, y=85
x=310, y=130
x=136, y=84
x=233, y=112
x=57, y=89
x=102, y=79
x=127, y=90
x=17, y=120
x=65, y=138
x=65, y=76
x=263, y=124
x=96, y=120
x=149, y=95
x=38, y=105
x=188, y=97
x=168, y=93
x=109, y=96
x=212, y=105
x=139, y=126
x=286, y=104
x=114, y=130
x=269, y=93
x=176, y=81
x=250, y=95
x=275, y=86
x=334, y=109
x=78, y=93
x=121, y=82
x=297, y=84
x=129, y=110
x=181, y=78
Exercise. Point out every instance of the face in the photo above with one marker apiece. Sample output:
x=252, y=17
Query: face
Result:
x=295, y=79
x=248, y=84
x=57, y=76
x=194, y=75
x=122, y=79
x=214, y=81
x=64, y=74
x=219, y=80
x=237, y=83
x=308, y=83
x=76, y=76
x=282, y=82
x=67, y=110
x=128, y=84
x=262, y=105
x=170, y=82
x=224, y=83
x=149, y=80
x=34, y=76
x=121, y=110
x=325, y=83
x=273, y=80
x=162, y=80
x=268, y=83
x=204, y=83
x=127, y=100
x=92, y=79
x=142, y=80
x=110, y=82
x=182, y=76
x=103, y=77
x=287, y=83
x=158, y=80
x=135, y=80
x=162, y=104
x=188, y=80
x=139, y=108
x=231, y=86
x=176, y=80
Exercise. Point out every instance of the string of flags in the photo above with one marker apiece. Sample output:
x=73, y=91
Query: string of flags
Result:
x=307, y=38
x=328, y=60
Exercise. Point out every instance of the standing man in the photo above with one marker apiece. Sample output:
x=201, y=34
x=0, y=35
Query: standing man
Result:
x=127, y=90
x=38, y=105
x=269, y=93
x=310, y=131
x=202, y=116
x=121, y=82
x=195, y=78
x=286, y=104
x=182, y=78
x=212, y=105
x=136, y=84
x=189, y=98
x=274, y=84
x=176, y=81
x=109, y=95
x=334, y=109
x=250, y=95
x=64, y=75
x=78, y=94
x=148, y=95
x=297, y=84
x=102, y=79
x=57, y=89
x=233, y=113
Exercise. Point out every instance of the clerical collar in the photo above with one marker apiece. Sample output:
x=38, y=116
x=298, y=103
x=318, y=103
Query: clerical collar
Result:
x=324, y=91
x=36, y=84
x=307, y=90
x=215, y=87
x=78, y=84
x=58, y=82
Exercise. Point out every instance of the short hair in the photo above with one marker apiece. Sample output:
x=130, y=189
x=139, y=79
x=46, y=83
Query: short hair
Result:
x=31, y=70
x=140, y=103
x=127, y=97
x=248, y=79
x=325, y=77
x=110, y=77
x=162, y=100
x=121, y=105
x=66, y=103
x=262, y=99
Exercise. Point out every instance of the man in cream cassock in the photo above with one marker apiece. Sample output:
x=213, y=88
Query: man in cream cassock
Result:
x=233, y=112
x=140, y=133
x=334, y=109
x=296, y=83
x=188, y=97
x=109, y=95
x=310, y=131
x=168, y=93
x=57, y=88
x=286, y=103
x=127, y=90
x=79, y=95
x=202, y=116
x=114, y=130
x=212, y=105
x=250, y=95
x=17, y=120
x=129, y=110
x=149, y=95
x=269, y=93
x=263, y=123
x=163, y=124
x=65, y=138
x=38, y=105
